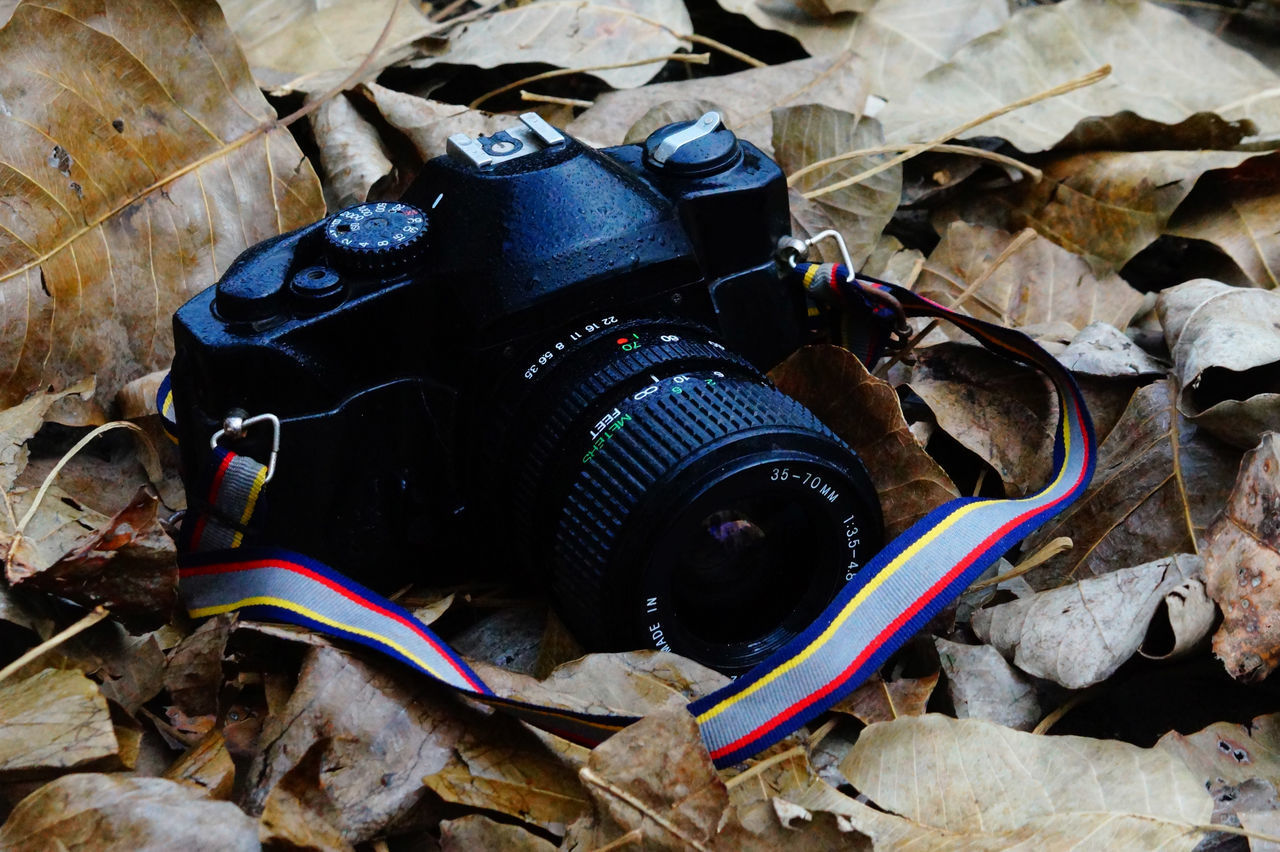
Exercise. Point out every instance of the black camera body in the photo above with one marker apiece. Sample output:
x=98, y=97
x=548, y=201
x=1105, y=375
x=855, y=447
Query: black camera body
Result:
x=544, y=358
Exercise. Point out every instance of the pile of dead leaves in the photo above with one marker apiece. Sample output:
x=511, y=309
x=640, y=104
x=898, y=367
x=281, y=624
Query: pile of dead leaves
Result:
x=1102, y=175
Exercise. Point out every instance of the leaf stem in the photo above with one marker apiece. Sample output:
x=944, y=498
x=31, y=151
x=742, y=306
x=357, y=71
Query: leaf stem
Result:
x=89, y=619
x=693, y=58
x=967, y=150
x=590, y=777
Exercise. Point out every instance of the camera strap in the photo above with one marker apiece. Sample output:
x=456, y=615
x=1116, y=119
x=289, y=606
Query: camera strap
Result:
x=889, y=600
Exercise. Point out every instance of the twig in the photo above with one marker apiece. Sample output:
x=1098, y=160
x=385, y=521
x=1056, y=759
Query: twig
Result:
x=350, y=80
x=1056, y=716
x=751, y=772
x=1069, y=86
x=821, y=734
x=1061, y=544
x=552, y=99
x=968, y=150
x=694, y=58
x=635, y=835
x=617, y=792
x=90, y=619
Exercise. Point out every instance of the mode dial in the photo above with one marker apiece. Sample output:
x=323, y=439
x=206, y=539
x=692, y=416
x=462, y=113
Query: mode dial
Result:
x=376, y=237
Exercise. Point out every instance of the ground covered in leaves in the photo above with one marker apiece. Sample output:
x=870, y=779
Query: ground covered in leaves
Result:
x=1099, y=174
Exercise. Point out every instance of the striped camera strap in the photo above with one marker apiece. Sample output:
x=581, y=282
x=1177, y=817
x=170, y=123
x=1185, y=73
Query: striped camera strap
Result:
x=887, y=602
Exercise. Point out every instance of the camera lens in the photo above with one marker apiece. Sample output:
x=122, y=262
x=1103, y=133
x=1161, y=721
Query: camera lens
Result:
x=682, y=502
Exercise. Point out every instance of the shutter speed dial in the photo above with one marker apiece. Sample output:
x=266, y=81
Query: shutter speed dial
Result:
x=376, y=237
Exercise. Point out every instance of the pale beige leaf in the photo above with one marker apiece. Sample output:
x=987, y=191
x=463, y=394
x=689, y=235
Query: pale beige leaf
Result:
x=900, y=39
x=983, y=686
x=1164, y=69
x=1225, y=343
x=978, y=779
x=1184, y=619
x=122, y=201
x=1226, y=752
x=1079, y=634
x=669, y=112
x=1242, y=566
x=472, y=832
x=53, y=721
x=427, y=123
x=311, y=45
x=352, y=155
x=117, y=813
x=806, y=134
x=1102, y=350
x=747, y=98
x=1039, y=283
x=575, y=34
x=19, y=423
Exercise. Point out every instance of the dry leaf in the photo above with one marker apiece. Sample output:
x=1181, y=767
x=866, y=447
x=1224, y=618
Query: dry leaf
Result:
x=129, y=565
x=19, y=423
x=997, y=409
x=879, y=700
x=1107, y=206
x=1046, y=45
x=1228, y=753
x=1242, y=566
x=747, y=98
x=900, y=39
x=298, y=813
x=1102, y=350
x=806, y=134
x=427, y=123
x=1226, y=352
x=1158, y=483
x=865, y=413
x=983, y=686
x=206, y=764
x=135, y=195
x=988, y=783
x=1182, y=621
x=385, y=731
x=508, y=638
x=1236, y=210
x=1039, y=283
x=668, y=112
x=115, y=813
x=50, y=723
x=473, y=832
x=1079, y=634
x=352, y=156
x=501, y=767
x=312, y=45
x=575, y=34
x=193, y=674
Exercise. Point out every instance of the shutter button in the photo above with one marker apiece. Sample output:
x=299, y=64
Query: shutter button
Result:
x=692, y=148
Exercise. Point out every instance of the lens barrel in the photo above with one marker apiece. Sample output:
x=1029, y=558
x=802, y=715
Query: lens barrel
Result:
x=682, y=502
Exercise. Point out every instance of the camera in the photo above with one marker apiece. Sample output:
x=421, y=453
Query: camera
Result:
x=544, y=362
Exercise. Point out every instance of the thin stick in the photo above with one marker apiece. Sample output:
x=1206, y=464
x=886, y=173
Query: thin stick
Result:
x=1069, y=86
x=753, y=771
x=816, y=738
x=448, y=10
x=968, y=150
x=1056, y=716
x=1061, y=544
x=693, y=58
x=635, y=835
x=90, y=619
x=351, y=79
x=617, y=792
x=552, y=99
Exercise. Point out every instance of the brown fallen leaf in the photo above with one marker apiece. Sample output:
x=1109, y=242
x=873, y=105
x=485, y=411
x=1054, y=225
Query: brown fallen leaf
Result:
x=51, y=723
x=298, y=813
x=115, y=813
x=575, y=35
x=880, y=700
x=1225, y=343
x=668, y=112
x=193, y=674
x=309, y=46
x=385, y=731
x=983, y=686
x=865, y=413
x=136, y=195
x=1242, y=566
x=428, y=123
x=129, y=565
x=19, y=423
x=1048, y=792
x=1104, y=351
x=747, y=97
x=1235, y=210
x=902, y=40
x=468, y=833
x=1158, y=483
x=1039, y=283
x=353, y=158
x=1047, y=45
x=803, y=135
x=206, y=764
x=1107, y=206
x=1079, y=634
x=500, y=766
x=1226, y=752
